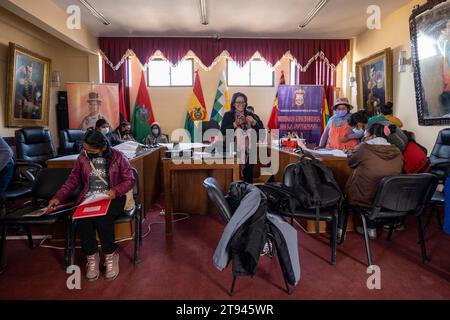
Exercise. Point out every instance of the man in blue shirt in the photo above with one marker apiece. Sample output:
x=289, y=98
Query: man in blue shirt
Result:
x=6, y=166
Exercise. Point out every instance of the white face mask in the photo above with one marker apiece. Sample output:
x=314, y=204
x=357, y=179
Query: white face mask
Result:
x=155, y=132
x=105, y=131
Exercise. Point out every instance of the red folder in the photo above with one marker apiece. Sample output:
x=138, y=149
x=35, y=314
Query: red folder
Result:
x=95, y=209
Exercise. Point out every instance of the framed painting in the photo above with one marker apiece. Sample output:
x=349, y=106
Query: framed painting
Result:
x=374, y=81
x=430, y=48
x=27, y=97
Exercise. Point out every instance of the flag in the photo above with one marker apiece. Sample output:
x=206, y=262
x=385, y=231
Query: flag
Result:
x=221, y=102
x=123, y=116
x=143, y=115
x=273, y=121
x=196, y=108
x=325, y=110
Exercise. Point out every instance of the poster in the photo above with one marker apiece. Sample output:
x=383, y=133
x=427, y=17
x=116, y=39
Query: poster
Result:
x=300, y=111
x=88, y=103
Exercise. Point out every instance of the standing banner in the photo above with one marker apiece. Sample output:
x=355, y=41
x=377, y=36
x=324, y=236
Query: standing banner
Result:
x=89, y=102
x=300, y=110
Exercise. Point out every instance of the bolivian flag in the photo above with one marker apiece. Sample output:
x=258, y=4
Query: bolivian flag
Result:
x=196, y=108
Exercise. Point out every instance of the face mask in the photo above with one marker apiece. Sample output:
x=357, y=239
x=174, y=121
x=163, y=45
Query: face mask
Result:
x=155, y=132
x=93, y=155
x=340, y=113
x=126, y=132
x=358, y=131
x=105, y=131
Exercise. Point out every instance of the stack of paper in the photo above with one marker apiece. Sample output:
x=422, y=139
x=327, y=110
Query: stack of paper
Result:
x=128, y=148
x=323, y=152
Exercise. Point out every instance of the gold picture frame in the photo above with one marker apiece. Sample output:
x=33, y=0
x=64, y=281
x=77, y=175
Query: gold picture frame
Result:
x=28, y=89
x=374, y=81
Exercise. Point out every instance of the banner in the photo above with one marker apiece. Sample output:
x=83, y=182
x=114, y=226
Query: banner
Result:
x=89, y=102
x=300, y=111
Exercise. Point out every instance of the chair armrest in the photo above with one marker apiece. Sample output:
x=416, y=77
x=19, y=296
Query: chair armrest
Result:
x=27, y=169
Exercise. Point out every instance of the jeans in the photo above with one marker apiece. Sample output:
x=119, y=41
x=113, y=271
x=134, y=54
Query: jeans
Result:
x=104, y=225
x=6, y=175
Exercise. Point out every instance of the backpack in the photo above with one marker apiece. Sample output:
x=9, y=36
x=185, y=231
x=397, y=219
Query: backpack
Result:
x=415, y=158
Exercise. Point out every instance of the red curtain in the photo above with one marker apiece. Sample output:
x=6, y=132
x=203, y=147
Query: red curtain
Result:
x=208, y=49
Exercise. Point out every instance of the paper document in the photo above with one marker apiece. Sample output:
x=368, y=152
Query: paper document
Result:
x=94, y=198
x=323, y=152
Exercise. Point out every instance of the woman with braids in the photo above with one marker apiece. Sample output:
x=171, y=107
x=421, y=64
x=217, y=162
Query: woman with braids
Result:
x=99, y=169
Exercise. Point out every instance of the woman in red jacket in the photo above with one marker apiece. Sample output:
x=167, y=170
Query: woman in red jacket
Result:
x=113, y=175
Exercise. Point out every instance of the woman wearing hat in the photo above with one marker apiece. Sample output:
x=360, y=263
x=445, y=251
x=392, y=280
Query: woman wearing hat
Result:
x=94, y=103
x=338, y=134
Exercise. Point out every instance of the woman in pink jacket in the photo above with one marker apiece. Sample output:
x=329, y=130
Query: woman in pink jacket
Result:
x=114, y=177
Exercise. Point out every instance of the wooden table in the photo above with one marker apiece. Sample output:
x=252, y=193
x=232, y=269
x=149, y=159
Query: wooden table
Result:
x=183, y=186
x=147, y=165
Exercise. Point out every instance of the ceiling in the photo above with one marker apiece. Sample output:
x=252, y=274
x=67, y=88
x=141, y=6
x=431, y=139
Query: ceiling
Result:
x=231, y=18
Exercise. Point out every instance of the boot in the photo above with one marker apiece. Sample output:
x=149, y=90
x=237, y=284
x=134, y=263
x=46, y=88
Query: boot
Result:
x=112, y=266
x=92, y=267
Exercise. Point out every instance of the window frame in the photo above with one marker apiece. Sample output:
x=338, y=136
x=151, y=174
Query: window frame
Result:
x=170, y=75
x=249, y=77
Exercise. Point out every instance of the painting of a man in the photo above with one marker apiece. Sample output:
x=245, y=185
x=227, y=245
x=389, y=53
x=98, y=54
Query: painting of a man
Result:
x=94, y=104
x=374, y=96
x=28, y=101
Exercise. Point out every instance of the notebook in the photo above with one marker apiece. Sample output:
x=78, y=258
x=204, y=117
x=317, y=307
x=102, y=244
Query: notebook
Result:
x=89, y=209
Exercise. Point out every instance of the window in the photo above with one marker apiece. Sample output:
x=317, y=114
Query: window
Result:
x=161, y=74
x=256, y=73
x=293, y=73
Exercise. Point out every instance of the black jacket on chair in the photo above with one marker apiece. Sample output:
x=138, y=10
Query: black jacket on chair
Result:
x=34, y=144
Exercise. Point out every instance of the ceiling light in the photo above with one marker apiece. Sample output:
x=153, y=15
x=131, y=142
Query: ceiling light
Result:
x=95, y=12
x=203, y=13
x=312, y=13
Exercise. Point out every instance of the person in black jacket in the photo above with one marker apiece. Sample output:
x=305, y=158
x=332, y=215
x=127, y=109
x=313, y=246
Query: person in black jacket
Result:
x=239, y=118
x=261, y=134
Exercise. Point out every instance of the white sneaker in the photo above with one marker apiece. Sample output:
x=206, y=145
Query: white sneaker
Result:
x=92, y=267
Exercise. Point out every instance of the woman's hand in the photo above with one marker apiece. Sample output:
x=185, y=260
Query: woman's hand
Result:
x=111, y=194
x=344, y=139
x=251, y=120
x=52, y=205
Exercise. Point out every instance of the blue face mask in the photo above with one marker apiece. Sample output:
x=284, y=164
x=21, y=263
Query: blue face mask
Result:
x=340, y=113
x=359, y=131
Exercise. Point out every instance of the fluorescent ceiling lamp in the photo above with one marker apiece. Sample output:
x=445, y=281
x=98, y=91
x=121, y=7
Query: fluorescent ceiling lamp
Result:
x=95, y=12
x=312, y=13
x=203, y=13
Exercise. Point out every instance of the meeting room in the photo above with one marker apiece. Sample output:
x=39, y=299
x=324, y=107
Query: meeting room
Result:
x=225, y=151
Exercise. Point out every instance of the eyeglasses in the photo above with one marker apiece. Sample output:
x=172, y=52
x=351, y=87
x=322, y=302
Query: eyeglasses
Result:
x=239, y=102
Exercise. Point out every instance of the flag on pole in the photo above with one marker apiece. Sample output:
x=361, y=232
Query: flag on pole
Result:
x=273, y=121
x=325, y=110
x=123, y=116
x=221, y=102
x=143, y=115
x=196, y=108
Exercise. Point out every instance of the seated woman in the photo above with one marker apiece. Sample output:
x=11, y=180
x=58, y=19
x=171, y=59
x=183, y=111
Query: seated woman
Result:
x=123, y=132
x=373, y=160
x=103, y=126
x=156, y=136
x=358, y=122
x=99, y=169
x=337, y=130
x=239, y=118
x=387, y=112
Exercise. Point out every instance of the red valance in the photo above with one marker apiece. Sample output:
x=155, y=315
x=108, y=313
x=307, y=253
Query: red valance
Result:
x=116, y=49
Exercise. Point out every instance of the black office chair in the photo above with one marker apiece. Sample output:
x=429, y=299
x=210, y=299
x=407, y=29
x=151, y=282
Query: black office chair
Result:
x=220, y=200
x=47, y=183
x=398, y=197
x=440, y=155
x=34, y=144
x=123, y=217
x=67, y=140
x=328, y=212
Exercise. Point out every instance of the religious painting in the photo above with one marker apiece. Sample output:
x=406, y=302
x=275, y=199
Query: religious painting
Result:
x=374, y=81
x=89, y=102
x=430, y=43
x=27, y=98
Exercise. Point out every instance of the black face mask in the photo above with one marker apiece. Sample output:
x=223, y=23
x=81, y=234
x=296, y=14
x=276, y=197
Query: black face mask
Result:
x=93, y=155
x=125, y=132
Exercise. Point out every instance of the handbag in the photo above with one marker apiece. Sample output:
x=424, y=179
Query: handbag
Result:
x=130, y=204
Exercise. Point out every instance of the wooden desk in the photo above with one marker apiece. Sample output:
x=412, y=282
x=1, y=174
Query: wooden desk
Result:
x=147, y=166
x=183, y=186
x=341, y=171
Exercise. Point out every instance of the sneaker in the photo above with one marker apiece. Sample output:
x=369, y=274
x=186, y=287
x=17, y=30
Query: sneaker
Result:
x=372, y=232
x=112, y=266
x=92, y=267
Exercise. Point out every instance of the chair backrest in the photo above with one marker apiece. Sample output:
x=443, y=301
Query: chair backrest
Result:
x=49, y=181
x=136, y=183
x=404, y=193
x=217, y=197
x=34, y=144
x=289, y=175
x=441, y=149
x=67, y=139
